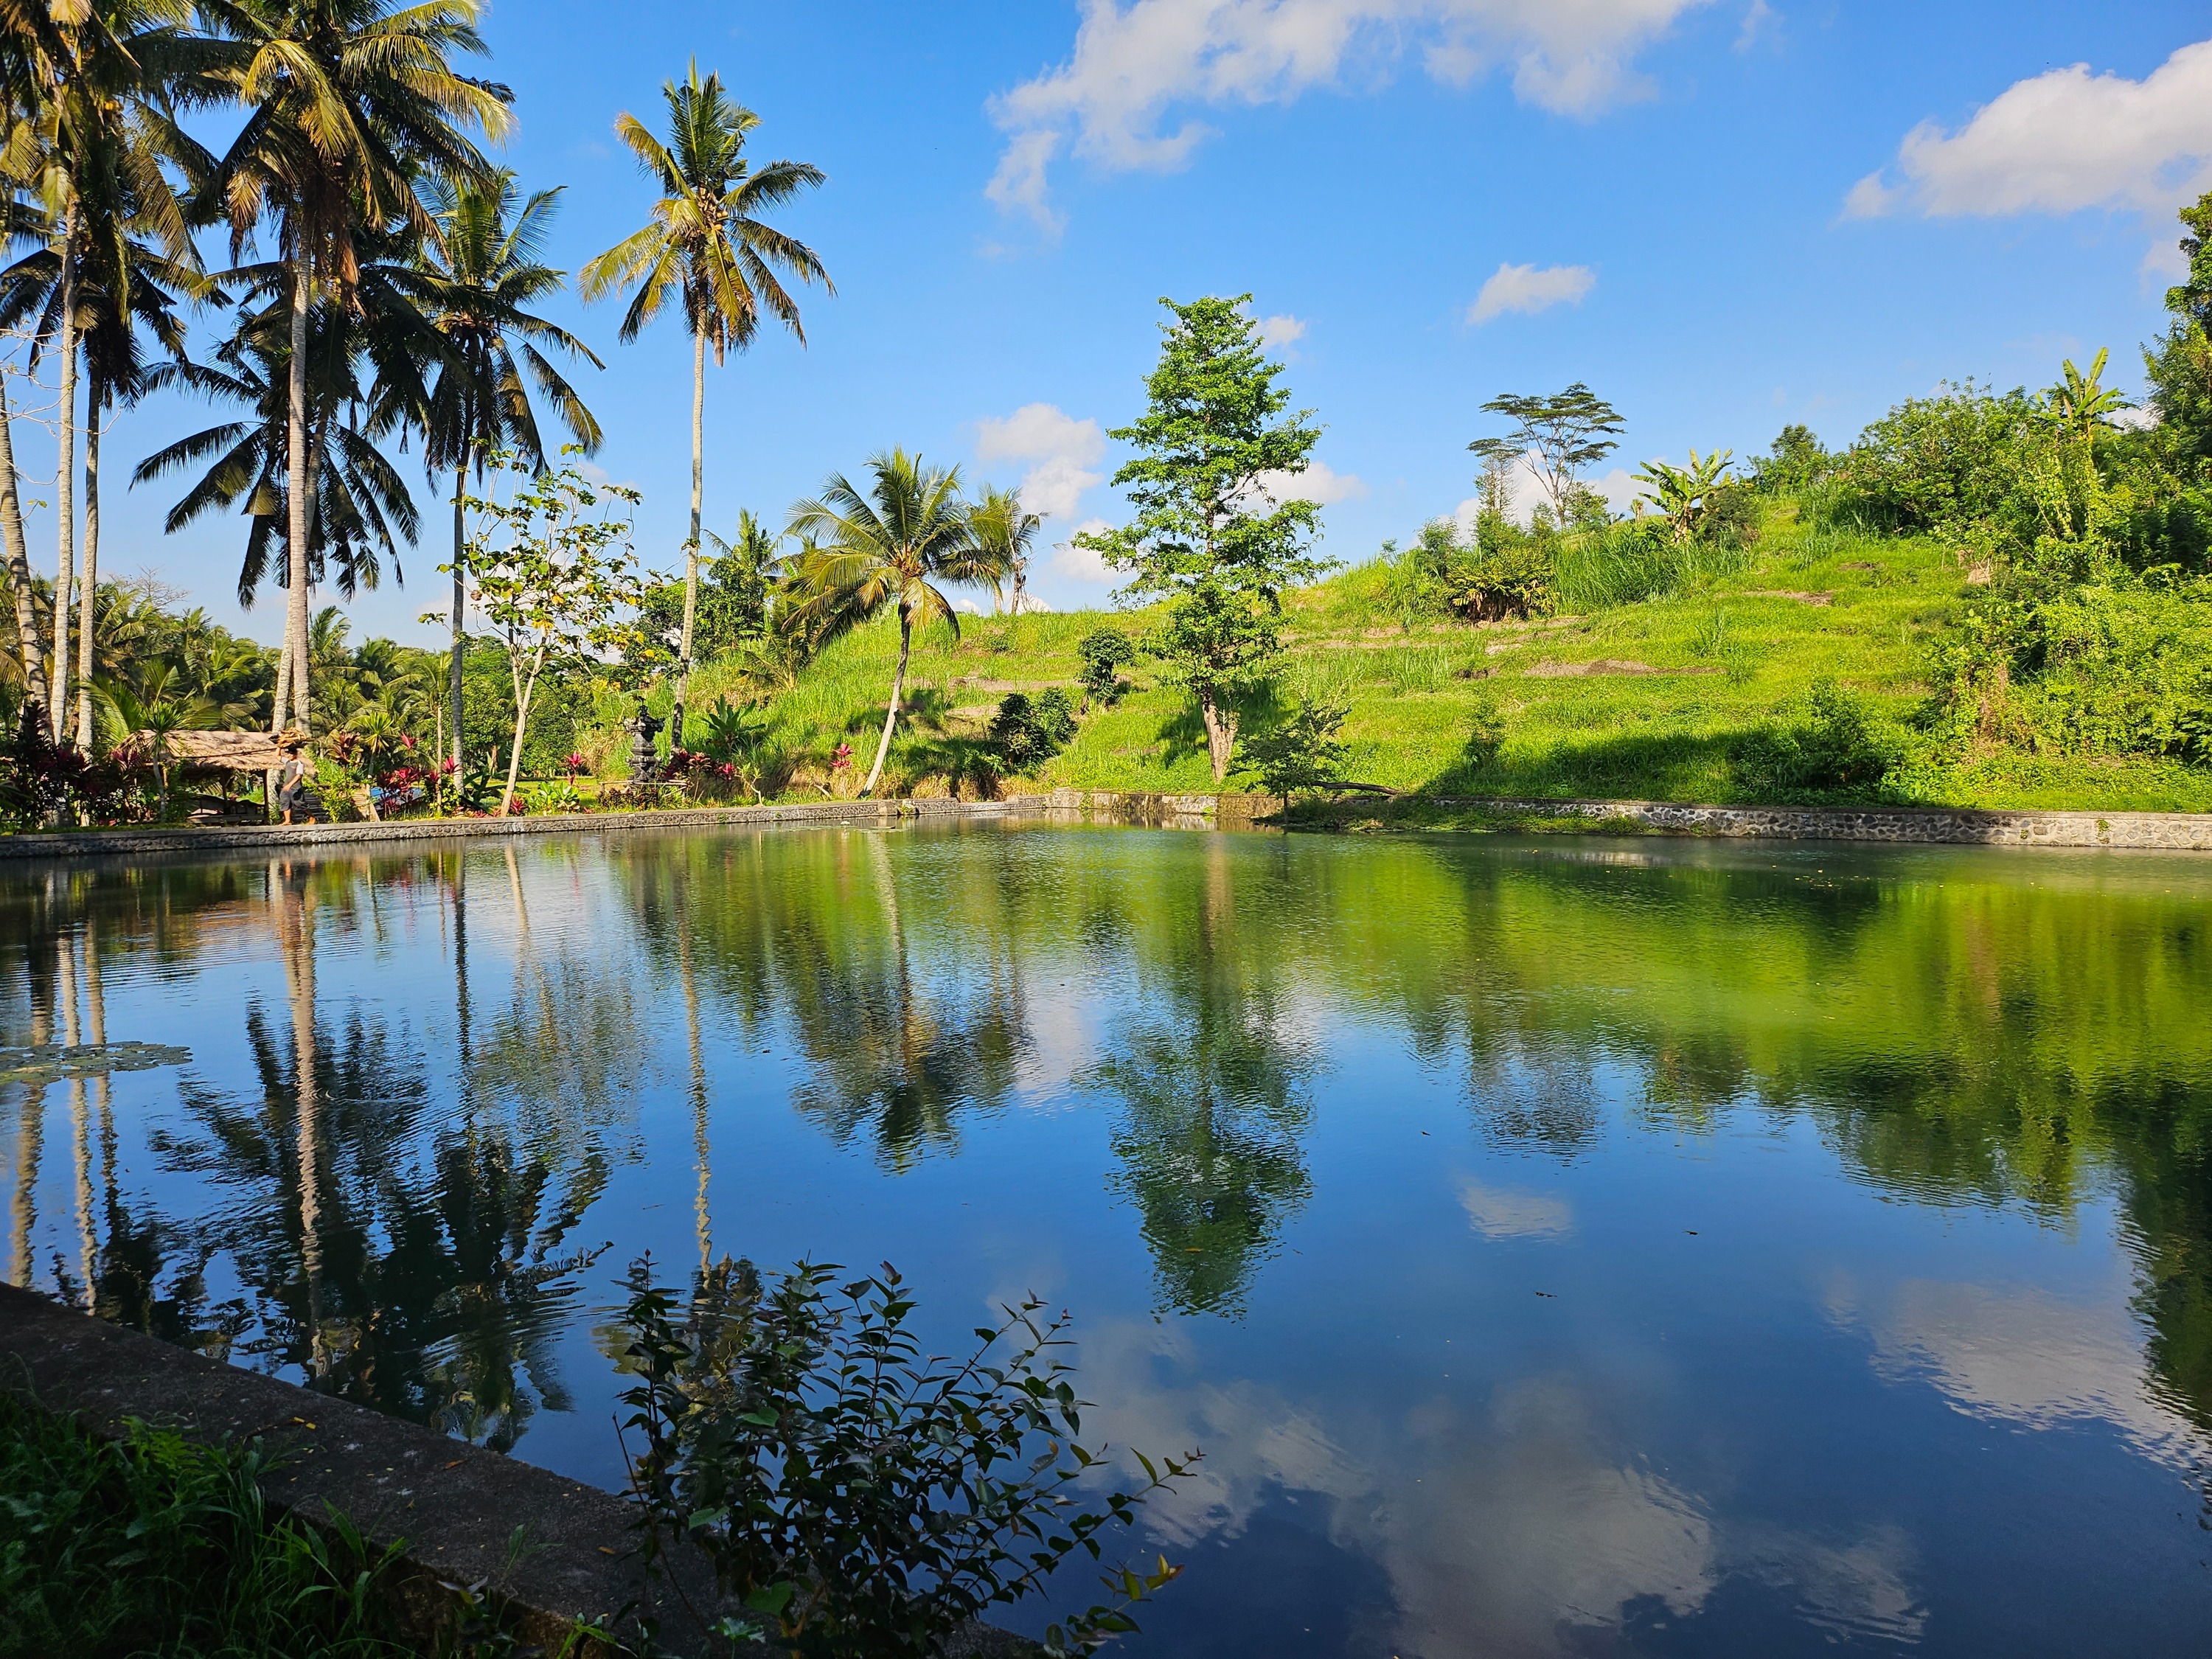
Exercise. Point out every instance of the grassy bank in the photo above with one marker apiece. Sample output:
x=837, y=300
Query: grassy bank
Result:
x=157, y=1544
x=1647, y=688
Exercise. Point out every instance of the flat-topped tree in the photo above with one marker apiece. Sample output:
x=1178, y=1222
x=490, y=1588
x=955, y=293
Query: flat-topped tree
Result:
x=1213, y=534
x=1560, y=434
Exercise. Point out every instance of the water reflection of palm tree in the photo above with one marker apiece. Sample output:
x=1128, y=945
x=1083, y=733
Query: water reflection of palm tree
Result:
x=422, y=1269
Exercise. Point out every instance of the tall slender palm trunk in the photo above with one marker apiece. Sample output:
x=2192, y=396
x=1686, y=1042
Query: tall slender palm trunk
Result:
x=891, y=714
x=64, y=483
x=692, y=547
x=19, y=563
x=454, y=668
x=87, y=614
x=299, y=502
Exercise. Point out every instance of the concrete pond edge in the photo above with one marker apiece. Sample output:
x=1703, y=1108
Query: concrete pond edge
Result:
x=549, y=1553
x=1908, y=826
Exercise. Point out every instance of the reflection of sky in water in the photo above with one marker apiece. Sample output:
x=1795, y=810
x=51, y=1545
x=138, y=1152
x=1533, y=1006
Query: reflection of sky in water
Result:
x=1557, y=1250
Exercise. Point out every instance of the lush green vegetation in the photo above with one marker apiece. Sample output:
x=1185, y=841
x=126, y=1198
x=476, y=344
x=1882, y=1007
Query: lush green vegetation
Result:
x=1993, y=598
x=157, y=1544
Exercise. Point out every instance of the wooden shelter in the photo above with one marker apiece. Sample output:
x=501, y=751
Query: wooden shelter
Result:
x=228, y=752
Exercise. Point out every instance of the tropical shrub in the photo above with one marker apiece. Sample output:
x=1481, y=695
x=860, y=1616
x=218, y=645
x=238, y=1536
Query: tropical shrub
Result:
x=1104, y=652
x=856, y=1493
x=1027, y=732
x=1840, y=747
x=1951, y=457
x=1300, y=755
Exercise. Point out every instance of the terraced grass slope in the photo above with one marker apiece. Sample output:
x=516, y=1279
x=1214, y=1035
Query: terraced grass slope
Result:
x=1648, y=698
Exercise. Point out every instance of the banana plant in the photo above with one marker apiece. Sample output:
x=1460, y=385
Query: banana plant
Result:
x=1680, y=493
x=2080, y=404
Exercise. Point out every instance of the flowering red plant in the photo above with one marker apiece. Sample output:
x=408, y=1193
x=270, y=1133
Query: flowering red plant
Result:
x=842, y=758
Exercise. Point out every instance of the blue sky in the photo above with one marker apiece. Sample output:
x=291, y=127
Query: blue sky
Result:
x=1730, y=214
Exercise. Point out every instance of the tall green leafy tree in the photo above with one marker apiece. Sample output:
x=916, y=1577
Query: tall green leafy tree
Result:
x=2179, y=365
x=351, y=105
x=483, y=274
x=1216, y=534
x=708, y=248
x=889, y=546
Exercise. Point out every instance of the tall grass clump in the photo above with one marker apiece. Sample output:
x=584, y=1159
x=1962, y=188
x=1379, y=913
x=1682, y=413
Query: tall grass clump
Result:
x=154, y=1544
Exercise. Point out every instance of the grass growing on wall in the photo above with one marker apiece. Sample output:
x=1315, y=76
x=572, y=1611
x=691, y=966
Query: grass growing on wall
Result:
x=1737, y=642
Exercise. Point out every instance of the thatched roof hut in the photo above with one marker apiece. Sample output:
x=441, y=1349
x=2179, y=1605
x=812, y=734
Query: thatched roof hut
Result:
x=232, y=752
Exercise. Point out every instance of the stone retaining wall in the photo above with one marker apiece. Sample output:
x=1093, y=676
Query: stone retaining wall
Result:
x=2165, y=831
x=89, y=843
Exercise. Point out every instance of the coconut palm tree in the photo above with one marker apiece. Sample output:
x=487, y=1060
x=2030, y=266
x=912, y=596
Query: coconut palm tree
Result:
x=1005, y=530
x=482, y=275
x=362, y=504
x=706, y=247
x=889, y=547
x=100, y=308
x=351, y=105
x=91, y=86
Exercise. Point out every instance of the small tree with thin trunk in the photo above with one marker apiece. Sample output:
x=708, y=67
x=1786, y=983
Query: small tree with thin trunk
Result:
x=1213, y=534
x=554, y=574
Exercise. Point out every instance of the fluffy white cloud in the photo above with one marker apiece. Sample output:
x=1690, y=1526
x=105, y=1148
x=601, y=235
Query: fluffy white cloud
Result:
x=1136, y=61
x=2059, y=141
x=1528, y=289
x=1081, y=564
x=1061, y=451
x=1320, y=484
x=1276, y=332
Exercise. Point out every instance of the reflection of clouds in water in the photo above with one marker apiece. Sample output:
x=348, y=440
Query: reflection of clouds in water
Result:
x=1062, y=1039
x=1502, y=1212
x=1516, y=1528
x=1857, y=1591
x=1524, y=1524
x=2016, y=1354
x=1255, y=1440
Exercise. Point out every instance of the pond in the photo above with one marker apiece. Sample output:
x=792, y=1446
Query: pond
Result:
x=1563, y=1247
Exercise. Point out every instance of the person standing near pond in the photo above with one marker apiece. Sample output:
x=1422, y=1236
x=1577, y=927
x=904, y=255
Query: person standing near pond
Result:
x=292, y=776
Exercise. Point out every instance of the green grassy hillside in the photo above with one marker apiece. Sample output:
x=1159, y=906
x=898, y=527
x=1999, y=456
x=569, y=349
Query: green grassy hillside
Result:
x=1651, y=698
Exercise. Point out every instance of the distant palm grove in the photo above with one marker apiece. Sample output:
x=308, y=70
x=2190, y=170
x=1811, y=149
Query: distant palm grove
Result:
x=1987, y=598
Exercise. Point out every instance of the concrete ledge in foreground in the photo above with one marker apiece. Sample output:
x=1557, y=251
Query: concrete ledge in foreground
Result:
x=456, y=1505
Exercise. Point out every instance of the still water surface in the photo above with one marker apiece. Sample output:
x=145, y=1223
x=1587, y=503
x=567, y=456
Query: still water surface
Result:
x=1564, y=1248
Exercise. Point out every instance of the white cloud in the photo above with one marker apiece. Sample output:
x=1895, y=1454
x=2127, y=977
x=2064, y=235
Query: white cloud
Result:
x=1527, y=289
x=1276, y=332
x=2059, y=141
x=1136, y=61
x=1081, y=564
x=1061, y=449
x=1320, y=484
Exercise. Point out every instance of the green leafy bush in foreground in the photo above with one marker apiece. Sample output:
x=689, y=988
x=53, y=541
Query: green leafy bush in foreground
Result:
x=857, y=1494
x=159, y=1545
